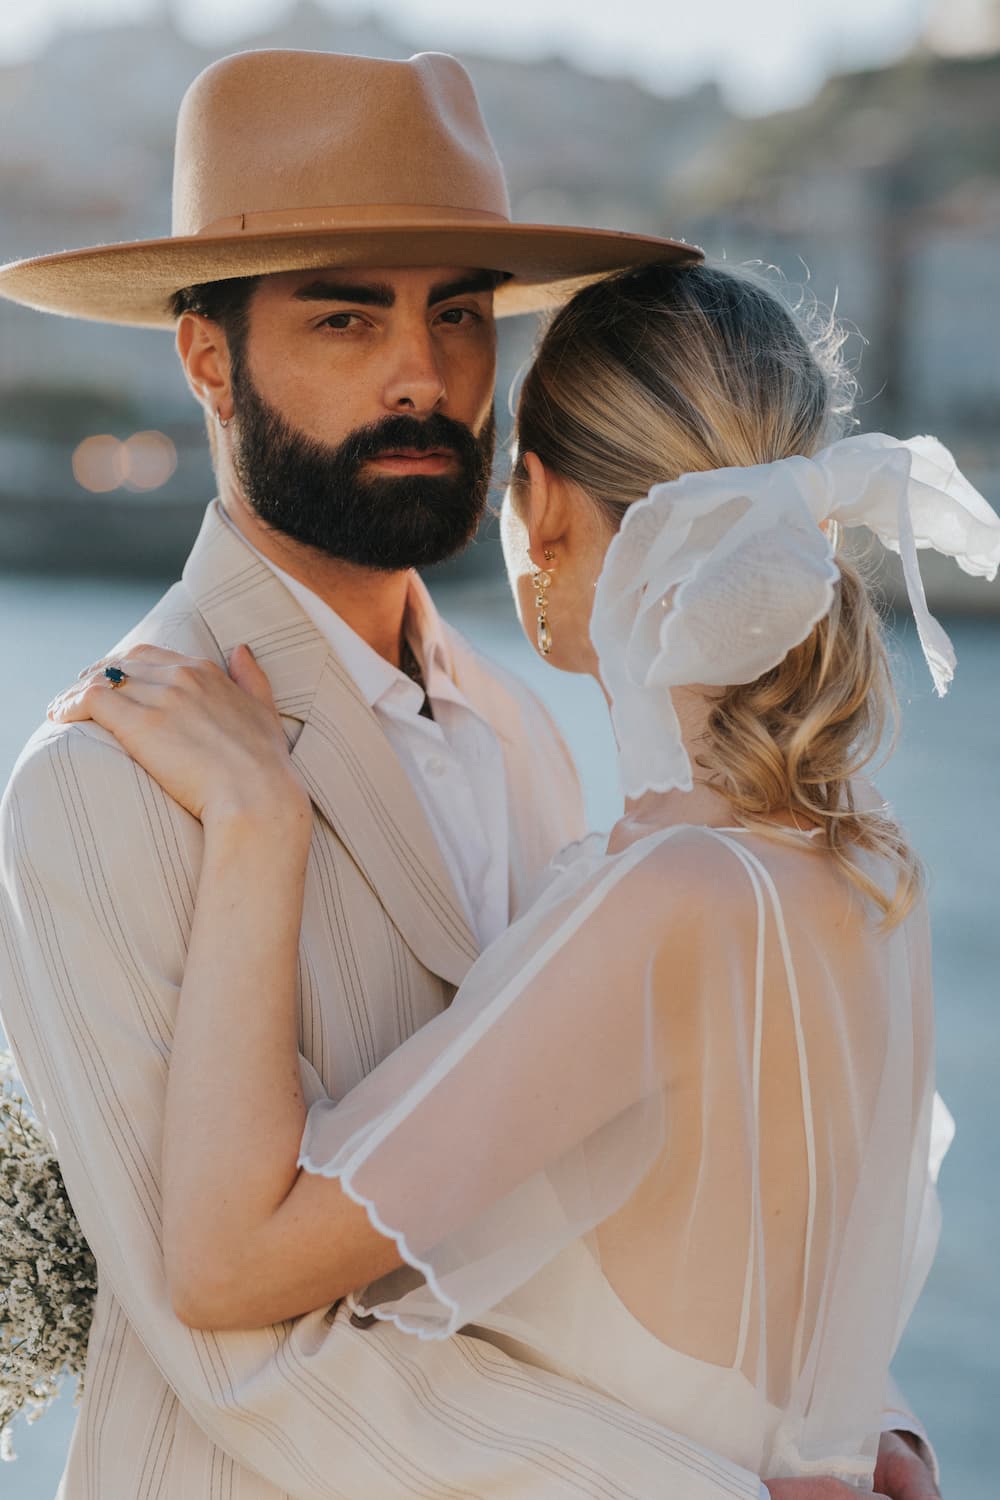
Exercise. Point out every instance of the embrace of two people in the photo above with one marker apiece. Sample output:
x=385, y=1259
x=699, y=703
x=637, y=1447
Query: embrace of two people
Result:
x=426, y=1147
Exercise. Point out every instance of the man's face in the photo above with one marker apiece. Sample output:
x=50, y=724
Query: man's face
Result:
x=363, y=410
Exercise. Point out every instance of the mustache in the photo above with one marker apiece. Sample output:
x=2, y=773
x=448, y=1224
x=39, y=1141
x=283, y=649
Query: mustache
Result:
x=422, y=435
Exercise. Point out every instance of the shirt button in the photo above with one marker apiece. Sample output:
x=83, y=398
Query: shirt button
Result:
x=435, y=766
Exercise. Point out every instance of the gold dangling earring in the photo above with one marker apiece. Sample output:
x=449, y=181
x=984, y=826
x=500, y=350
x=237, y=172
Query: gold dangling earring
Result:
x=542, y=579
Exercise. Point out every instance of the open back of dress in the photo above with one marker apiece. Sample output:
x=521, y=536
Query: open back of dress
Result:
x=672, y=1138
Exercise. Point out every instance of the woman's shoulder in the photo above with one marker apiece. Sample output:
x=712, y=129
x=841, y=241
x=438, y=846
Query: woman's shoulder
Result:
x=679, y=884
x=681, y=889
x=691, y=861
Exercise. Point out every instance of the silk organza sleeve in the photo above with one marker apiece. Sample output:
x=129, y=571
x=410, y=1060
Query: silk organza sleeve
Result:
x=522, y=1115
x=705, y=1056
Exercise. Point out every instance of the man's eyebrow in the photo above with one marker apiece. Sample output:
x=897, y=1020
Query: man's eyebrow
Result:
x=381, y=294
x=477, y=281
x=363, y=293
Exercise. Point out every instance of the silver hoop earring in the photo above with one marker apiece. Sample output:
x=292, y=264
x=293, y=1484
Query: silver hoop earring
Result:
x=222, y=421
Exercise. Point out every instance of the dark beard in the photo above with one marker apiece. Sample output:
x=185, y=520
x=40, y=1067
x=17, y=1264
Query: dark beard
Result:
x=317, y=495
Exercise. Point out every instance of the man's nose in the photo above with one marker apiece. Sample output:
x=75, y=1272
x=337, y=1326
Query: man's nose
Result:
x=415, y=383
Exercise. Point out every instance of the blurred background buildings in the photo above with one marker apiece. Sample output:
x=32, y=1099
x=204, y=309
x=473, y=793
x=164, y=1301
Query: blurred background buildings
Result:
x=882, y=193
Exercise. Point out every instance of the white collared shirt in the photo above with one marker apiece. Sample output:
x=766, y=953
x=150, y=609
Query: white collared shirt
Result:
x=454, y=761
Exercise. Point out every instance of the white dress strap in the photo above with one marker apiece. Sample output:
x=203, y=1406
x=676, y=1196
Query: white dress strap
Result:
x=761, y=881
x=755, y=1252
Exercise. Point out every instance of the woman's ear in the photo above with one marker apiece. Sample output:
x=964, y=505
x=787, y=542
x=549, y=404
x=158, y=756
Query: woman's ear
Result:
x=544, y=507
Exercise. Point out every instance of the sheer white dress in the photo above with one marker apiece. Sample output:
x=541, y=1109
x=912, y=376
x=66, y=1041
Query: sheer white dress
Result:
x=672, y=1139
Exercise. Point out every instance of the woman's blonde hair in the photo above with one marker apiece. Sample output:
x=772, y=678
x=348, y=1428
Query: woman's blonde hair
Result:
x=665, y=370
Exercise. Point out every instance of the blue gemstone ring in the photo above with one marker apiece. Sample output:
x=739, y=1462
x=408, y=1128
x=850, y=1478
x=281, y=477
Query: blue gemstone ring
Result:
x=116, y=676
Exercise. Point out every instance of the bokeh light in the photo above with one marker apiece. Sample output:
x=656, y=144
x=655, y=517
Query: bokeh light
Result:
x=98, y=464
x=145, y=461
x=148, y=460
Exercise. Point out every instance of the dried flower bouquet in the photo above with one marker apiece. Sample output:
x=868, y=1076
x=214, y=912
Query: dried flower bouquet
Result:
x=48, y=1277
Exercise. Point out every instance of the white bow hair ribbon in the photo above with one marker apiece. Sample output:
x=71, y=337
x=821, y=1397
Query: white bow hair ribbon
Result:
x=714, y=577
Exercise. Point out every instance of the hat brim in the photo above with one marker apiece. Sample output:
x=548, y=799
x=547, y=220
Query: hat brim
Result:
x=132, y=283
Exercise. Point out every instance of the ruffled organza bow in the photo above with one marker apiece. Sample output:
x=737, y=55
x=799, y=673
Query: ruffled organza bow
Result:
x=716, y=576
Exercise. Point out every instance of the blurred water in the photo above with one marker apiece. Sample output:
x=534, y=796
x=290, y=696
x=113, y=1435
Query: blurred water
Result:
x=945, y=783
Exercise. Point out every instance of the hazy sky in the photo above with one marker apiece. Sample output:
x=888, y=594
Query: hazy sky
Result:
x=766, y=53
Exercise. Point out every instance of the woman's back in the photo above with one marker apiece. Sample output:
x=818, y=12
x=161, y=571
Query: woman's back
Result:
x=775, y=1232
x=708, y=1033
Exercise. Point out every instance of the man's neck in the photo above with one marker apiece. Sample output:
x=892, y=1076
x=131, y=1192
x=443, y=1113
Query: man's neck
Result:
x=372, y=603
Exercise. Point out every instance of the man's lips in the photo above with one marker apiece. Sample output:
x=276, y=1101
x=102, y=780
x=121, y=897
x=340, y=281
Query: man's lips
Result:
x=416, y=453
x=425, y=460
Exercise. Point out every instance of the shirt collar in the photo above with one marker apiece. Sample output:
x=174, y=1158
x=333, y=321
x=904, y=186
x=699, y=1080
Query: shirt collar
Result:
x=375, y=677
x=426, y=634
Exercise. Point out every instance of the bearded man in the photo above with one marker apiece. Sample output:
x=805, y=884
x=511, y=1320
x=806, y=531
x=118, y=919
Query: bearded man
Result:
x=341, y=243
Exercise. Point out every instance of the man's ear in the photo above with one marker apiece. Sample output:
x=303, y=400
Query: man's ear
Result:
x=204, y=355
x=544, y=505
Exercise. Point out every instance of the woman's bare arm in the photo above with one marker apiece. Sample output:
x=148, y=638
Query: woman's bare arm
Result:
x=248, y=1238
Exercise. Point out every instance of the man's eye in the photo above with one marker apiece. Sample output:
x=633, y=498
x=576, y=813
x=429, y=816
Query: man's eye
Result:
x=339, y=322
x=456, y=316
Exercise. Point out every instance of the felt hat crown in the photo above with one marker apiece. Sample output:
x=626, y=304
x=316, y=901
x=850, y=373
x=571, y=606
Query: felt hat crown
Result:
x=290, y=160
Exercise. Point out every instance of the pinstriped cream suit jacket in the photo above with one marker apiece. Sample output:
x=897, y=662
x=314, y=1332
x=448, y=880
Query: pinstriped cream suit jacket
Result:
x=98, y=875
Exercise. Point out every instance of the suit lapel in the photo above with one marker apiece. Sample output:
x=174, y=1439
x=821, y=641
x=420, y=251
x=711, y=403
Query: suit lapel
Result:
x=349, y=768
x=240, y=599
x=357, y=782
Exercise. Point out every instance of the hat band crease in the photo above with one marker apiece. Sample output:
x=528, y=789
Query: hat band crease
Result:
x=281, y=220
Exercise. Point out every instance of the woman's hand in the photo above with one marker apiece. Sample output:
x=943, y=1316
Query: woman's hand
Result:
x=212, y=739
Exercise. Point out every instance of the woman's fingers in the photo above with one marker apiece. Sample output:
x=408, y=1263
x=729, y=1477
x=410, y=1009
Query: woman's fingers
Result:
x=141, y=649
x=76, y=696
x=197, y=690
x=141, y=685
x=141, y=663
x=213, y=740
x=245, y=670
x=184, y=679
x=99, y=701
x=243, y=667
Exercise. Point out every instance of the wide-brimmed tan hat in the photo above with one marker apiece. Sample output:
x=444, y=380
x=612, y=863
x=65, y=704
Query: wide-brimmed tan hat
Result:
x=294, y=160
